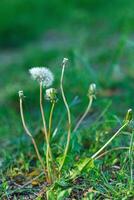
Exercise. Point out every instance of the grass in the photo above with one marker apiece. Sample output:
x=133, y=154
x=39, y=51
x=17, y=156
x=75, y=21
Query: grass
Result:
x=97, y=37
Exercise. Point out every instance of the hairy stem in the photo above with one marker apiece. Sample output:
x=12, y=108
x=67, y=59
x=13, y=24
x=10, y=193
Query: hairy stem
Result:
x=84, y=115
x=30, y=135
x=69, y=117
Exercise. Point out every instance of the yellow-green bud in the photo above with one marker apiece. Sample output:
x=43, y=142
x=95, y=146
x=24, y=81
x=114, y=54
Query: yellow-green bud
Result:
x=65, y=60
x=21, y=94
x=92, y=90
x=129, y=116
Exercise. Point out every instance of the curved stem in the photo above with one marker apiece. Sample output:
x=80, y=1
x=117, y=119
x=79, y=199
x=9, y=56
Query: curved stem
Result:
x=69, y=118
x=94, y=157
x=48, y=152
x=30, y=135
x=85, y=114
x=103, y=147
x=109, y=151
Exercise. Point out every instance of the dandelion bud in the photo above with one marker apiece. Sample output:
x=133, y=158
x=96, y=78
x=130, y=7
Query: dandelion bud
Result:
x=92, y=90
x=51, y=94
x=129, y=116
x=65, y=60
x=21, y=94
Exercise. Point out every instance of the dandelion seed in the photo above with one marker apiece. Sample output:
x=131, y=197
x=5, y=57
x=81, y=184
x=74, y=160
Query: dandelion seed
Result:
x=42, y=75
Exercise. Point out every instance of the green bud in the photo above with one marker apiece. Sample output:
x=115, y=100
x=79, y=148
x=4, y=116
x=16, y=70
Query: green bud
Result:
x=92, y=90
x=65, y=60
x=21, y=94
x=129, y=115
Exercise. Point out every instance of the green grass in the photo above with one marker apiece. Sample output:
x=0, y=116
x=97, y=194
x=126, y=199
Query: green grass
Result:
x=97, y=37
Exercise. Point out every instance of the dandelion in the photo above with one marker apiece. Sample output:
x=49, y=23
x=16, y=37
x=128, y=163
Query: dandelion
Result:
x=21, y=94
x=92, y=90
x=92, y=95
x=51, y=94
x=129, y=115
x=45, y=78
x=42, y=75
x=65, y=60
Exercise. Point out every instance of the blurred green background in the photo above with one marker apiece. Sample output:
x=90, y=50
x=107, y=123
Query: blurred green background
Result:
x=96, y=35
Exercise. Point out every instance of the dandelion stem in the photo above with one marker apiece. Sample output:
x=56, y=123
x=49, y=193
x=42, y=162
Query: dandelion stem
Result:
x=85, y=113
x=42, y=112
x=69, y=117
x=30, y=135
x=48, y=152
x=95, y=156
x=130, y=153
x=109, y=151
x=106, y=144
x=50, y=120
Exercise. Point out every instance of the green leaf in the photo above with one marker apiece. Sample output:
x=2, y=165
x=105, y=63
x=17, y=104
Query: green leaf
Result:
x=50, y=195
x=64, y=194
x=85, y=164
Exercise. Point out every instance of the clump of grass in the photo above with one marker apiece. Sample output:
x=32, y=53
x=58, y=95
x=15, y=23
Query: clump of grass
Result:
x=52, y=168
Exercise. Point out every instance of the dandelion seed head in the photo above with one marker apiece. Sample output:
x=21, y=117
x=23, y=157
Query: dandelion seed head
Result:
x=42, y=75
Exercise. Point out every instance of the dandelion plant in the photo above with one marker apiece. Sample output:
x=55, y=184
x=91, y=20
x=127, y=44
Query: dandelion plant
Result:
x=53, y=169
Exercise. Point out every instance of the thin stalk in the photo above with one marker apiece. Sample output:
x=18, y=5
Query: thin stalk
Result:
x=107, y=143
x=94, y=157
x=49, y=135
x=85, y=114
x=50, y=120
x=42, y=113
x=131, y=159
x=109, y=151
x=69, y=117
x=48, y=153
x=30, y=135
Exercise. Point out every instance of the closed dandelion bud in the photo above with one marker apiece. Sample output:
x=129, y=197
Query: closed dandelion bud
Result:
x=129, y=116
x=51, y=94
x=65, y=60
x=21, y=94
x=92, y=90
